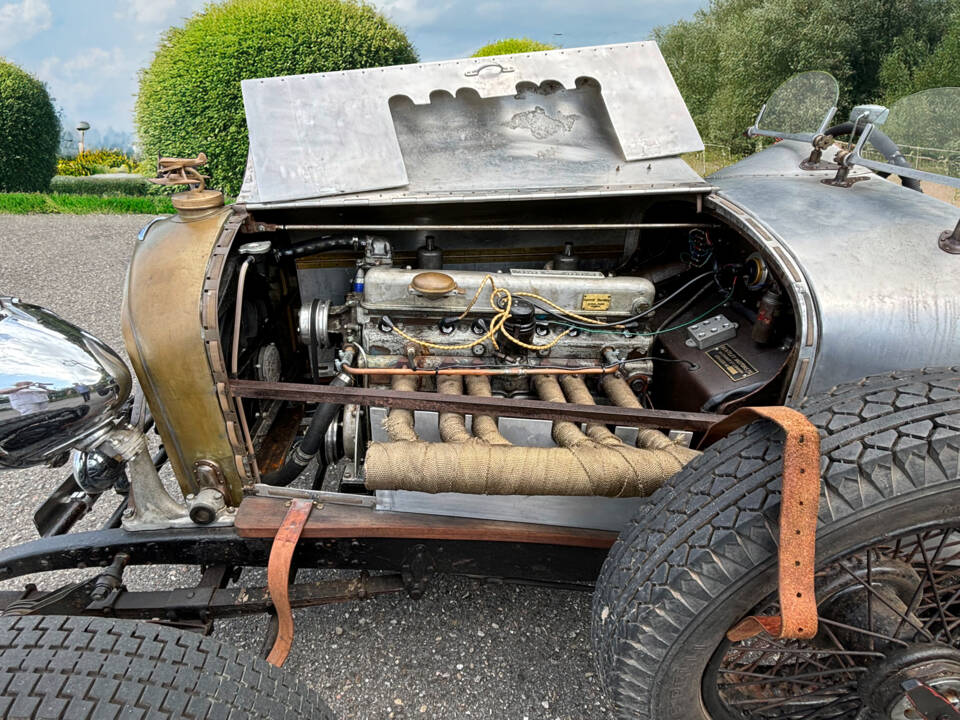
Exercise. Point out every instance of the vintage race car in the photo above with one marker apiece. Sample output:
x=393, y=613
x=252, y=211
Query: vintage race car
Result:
x=480, y=317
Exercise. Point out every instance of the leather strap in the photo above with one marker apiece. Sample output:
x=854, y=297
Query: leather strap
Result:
x=278, y=576
x=799, y=505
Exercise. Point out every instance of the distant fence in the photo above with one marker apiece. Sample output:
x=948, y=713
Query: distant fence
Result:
x=711, y=158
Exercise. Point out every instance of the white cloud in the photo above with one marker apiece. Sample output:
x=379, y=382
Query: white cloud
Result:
x=412, y=13
x=20, y=21
x=91, y=81
x=101, y=63
x=146, y=11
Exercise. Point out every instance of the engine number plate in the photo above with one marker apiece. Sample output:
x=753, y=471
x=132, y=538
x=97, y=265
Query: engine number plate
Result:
x=731, y=362
x=595, y=301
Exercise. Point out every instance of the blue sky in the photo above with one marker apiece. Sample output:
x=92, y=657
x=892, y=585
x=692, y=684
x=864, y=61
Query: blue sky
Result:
x=88, y=51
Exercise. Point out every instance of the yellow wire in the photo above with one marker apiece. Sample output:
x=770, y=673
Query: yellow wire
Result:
x=500, y=317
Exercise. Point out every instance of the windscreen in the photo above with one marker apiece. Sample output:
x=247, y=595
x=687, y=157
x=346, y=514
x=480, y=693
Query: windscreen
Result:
x=926, y=127
x=800, y=104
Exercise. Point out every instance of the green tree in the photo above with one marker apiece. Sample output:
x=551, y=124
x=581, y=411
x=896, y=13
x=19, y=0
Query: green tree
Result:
x=29, y=132
x=733, y=54
x=510, y=46
x=190, y=100
x=916, y=65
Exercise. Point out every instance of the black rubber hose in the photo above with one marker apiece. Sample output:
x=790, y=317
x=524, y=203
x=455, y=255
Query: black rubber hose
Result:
x=884, y=145
x=324, y=244
x=302, y=453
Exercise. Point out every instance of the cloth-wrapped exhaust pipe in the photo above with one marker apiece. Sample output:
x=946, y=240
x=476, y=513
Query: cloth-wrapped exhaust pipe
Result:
x=484, y=426
x=399, y=423
x=580, y=466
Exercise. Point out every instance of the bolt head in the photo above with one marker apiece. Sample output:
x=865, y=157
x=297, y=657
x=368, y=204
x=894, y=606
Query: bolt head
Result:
x=128, y=513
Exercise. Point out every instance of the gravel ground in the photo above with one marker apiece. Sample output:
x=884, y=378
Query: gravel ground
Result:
x=466, y=649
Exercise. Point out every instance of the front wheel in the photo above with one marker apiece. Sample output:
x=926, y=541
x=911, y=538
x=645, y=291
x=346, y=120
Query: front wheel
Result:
x=85, y=668
x=702, y=556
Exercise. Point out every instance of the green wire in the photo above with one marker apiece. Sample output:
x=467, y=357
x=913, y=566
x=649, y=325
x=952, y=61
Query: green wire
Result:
x=655, y=332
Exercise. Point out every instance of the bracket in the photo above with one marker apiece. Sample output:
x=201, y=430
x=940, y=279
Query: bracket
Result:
x=950, y=241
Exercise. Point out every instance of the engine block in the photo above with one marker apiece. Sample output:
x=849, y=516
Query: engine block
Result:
x=428, y=305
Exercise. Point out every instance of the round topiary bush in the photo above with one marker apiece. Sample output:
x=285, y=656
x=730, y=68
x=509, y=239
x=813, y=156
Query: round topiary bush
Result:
x=509, y=46
x=190, y=101
x=29, y=132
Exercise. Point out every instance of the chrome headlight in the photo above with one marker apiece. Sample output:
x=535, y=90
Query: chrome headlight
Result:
x=59, y=385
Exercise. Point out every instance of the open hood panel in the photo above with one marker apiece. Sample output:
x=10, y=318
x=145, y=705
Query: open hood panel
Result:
x=583, y=120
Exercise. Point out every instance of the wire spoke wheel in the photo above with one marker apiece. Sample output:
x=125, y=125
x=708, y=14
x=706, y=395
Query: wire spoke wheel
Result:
x=895, y=599
x=703, y=555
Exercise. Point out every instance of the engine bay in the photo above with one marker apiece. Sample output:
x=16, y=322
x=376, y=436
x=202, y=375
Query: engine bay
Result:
x=576, y=302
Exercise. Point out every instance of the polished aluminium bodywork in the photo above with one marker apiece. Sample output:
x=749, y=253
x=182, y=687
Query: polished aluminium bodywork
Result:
x=59, y=385
x=885, y=294
x=576, y=122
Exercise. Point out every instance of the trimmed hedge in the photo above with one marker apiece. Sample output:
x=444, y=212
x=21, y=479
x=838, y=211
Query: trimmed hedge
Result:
x=29, y=131
x=190, y=101
x=509, y=46
x=131, y=185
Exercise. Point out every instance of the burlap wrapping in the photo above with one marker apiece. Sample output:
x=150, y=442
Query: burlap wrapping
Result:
x=399, y=423
x=484, y=426
x=595, y=464
x=453, y=427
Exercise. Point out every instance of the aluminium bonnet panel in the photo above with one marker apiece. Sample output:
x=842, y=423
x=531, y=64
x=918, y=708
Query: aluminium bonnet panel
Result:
x=328, y=134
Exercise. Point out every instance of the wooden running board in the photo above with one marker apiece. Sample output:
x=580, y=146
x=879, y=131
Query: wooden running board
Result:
x=261, y=517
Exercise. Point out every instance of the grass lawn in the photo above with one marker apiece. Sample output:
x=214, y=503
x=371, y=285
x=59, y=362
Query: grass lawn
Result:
x=59, y=203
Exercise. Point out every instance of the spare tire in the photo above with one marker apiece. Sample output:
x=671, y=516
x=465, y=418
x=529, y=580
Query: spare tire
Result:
x=80, y=668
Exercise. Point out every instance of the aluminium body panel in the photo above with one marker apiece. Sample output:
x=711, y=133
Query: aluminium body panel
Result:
x=581, y=119
x=885, y=294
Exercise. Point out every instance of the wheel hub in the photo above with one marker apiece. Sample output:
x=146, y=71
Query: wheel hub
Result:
x=936, y=666
x=844, y=599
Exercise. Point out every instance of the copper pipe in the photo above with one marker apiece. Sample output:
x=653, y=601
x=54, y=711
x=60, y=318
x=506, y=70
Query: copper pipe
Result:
x=234, y=363
x=501, y=227
x=507, y=370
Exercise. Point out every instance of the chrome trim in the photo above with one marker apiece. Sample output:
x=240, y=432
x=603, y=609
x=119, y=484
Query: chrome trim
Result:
x=59, y=385
x=146, y=228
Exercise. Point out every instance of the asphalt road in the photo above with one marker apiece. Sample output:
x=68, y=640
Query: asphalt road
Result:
x=467, y=649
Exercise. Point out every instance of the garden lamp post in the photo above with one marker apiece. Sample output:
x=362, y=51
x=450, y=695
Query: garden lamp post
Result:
x=82, y=127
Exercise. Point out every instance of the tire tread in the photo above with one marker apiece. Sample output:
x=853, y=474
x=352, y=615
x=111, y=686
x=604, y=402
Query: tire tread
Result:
x=881, y=437
x=80, y=668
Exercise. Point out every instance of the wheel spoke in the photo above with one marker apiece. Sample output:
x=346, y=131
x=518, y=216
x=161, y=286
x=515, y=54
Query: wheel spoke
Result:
x=904, y=617
x=870, y=600
x=933, y=585
x=770, y=679
x=862, y=631
x=801, y=677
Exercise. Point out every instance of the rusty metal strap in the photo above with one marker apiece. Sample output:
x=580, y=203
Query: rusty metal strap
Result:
x=278, y=576
x=799, y=505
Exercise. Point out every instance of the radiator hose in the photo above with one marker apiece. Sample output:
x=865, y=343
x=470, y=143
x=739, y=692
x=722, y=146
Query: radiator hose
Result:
x=304, y=451
x=318, y=245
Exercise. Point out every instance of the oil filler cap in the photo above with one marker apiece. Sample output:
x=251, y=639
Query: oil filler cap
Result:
x=433, y=284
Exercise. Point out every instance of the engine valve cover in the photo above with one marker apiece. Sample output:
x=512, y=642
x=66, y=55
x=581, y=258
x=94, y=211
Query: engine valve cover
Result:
x=389, y=289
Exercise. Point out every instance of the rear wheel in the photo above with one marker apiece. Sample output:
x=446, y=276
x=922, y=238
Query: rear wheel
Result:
x=702, y=555
x=78, y=668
